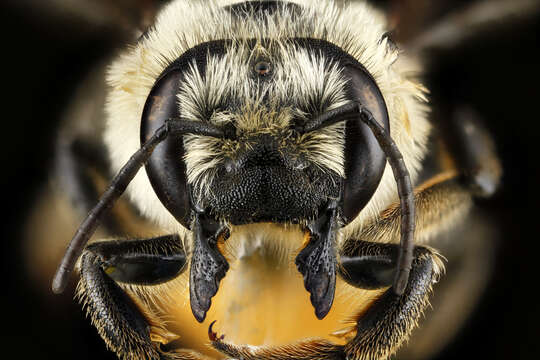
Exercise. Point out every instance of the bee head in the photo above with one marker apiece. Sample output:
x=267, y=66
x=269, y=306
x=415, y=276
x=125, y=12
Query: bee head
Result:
x=267, y=168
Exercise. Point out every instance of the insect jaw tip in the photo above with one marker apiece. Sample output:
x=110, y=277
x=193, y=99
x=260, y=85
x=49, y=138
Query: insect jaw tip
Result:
x=213, y=336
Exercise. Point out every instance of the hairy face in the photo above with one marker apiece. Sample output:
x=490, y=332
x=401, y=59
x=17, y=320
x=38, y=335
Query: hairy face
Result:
x=263, y=94
x=270, y=171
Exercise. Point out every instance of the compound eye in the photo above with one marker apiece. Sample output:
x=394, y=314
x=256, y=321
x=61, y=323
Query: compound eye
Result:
x=364, y=159
x=165, y=168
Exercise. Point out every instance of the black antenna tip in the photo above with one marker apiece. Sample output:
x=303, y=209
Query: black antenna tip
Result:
x=60, y=281
x=400, y=284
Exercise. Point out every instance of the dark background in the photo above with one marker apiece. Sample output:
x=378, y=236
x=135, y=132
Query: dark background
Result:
x=45, y=55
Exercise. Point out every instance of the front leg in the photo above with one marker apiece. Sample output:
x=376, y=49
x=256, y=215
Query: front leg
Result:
x=388, y=322
x=118, y=319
